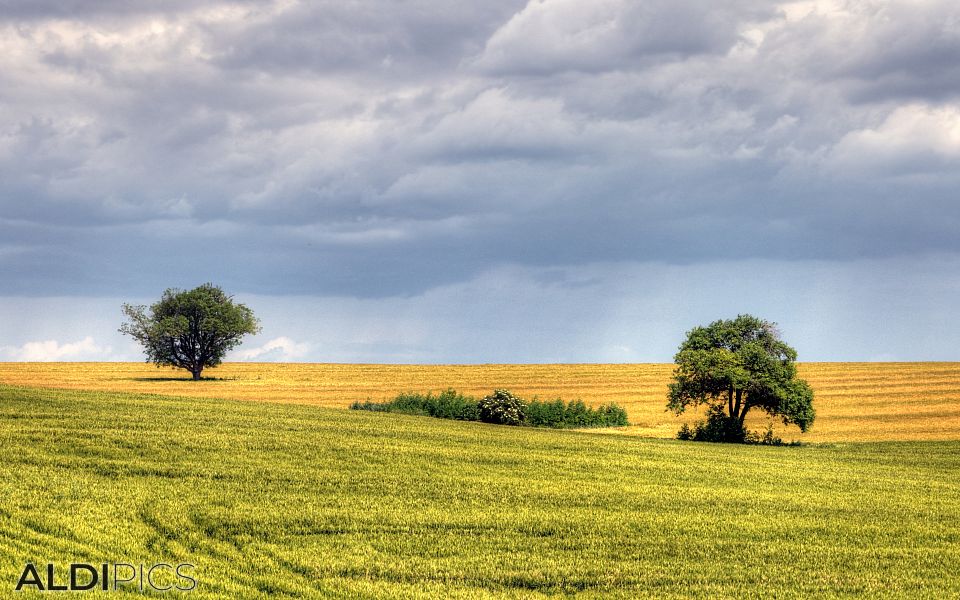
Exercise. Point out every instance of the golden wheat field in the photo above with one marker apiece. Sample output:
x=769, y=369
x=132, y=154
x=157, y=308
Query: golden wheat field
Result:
x=854, y=401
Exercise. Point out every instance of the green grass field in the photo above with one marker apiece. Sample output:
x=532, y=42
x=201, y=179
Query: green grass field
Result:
x=272, y=499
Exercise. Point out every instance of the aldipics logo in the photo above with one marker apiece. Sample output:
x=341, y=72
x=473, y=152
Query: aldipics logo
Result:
x=81, y=577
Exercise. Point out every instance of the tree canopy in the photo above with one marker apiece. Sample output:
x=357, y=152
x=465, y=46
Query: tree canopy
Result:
x=191, y=329
x=734, y=366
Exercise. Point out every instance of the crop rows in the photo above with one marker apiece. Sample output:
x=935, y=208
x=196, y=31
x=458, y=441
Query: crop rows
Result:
x=286, y=500
x=854, y=401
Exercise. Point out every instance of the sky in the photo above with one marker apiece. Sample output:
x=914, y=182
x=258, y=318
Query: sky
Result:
x=476, y=182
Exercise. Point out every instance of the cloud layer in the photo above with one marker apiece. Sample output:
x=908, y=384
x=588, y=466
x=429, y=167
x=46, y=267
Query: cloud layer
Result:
x=386, y=150
x=886, y=309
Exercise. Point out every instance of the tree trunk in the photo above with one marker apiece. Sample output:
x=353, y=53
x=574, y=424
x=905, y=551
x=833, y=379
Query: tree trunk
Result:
x=196, y=374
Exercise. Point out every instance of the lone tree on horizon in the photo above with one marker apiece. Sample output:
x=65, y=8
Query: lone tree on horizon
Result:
x=737, y=365
x=191, y=329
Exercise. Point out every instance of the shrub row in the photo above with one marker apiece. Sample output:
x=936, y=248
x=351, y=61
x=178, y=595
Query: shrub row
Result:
x=574, y=414
x=445, y=405
x=503, y=408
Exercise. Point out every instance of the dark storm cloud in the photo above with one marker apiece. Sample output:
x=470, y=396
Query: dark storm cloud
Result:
x=382, y=149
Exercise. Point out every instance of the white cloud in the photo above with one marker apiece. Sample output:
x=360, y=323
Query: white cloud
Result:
x=605, y=35
x=912, y=138
x=278, y=349
x=52, y=350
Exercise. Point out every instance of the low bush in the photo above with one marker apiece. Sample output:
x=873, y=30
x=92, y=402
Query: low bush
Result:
x=721, y=428
x=445, y=405
x=575, y=414
x=767, y=438
x=502, y=407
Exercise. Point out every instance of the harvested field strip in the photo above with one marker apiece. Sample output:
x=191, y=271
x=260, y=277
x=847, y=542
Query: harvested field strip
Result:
x=854, y=401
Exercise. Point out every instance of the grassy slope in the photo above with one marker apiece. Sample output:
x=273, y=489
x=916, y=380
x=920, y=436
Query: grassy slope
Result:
x=854, y=401
x=285, y=498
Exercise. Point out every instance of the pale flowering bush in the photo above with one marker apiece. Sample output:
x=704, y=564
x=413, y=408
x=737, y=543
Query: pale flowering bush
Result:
x=503, y=408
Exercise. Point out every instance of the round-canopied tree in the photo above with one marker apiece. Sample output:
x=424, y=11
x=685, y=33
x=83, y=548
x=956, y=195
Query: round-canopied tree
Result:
x=737, y=365
x=191, y=329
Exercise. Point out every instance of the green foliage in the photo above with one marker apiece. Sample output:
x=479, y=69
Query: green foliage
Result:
x=502, y=408
x=576, y=414
x=445, y=405
x=718, y=427
x=191, y=329
x=453, y=405
x=547, y=414
x=286, y=500
x=767, y=438
x=736, y=365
